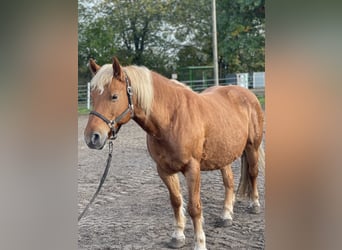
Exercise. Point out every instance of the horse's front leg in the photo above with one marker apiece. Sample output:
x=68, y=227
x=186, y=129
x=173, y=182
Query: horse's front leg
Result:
x=172, y=183
x=192, y=174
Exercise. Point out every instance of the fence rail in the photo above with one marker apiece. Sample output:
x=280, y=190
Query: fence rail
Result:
x=84, y=96
x=254, y=81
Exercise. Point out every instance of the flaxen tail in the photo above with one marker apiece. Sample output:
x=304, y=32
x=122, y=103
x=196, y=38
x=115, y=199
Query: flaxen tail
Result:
x=261, y=159
x=245, y=185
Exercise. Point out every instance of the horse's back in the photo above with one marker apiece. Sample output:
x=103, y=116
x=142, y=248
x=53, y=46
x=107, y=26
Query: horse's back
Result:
x=236, y=95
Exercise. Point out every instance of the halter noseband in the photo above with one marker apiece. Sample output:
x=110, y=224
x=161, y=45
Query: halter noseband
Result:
x=111, y=123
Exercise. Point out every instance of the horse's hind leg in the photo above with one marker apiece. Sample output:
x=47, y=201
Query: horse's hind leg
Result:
x=252, y=161
x=228, y=181
x=172, y=183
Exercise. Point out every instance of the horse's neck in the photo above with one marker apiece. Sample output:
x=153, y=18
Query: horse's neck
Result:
x=162, y=108
x=146, y=123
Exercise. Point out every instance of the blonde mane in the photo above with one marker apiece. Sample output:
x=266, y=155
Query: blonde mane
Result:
x=141, y=81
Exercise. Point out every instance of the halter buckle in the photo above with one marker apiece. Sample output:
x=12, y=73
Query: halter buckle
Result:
x=129, y=90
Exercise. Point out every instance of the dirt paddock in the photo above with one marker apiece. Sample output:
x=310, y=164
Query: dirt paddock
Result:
x=133, y=210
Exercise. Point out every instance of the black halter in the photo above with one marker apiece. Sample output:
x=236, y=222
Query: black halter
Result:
x=111, y=123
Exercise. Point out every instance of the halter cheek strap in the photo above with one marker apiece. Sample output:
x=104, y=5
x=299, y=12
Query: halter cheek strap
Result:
x=111, y=123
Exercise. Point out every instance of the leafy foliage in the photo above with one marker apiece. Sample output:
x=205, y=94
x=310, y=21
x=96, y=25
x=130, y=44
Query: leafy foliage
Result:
x=165, y=35
x=241, y=35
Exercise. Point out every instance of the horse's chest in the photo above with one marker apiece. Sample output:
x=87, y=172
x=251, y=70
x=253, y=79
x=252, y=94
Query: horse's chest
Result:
x=168, y=155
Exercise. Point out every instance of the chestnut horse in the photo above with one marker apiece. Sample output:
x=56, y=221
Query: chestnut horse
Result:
x=187, y=132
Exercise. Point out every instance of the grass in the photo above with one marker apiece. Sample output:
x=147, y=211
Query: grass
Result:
x=83, y=110
x=262, y=100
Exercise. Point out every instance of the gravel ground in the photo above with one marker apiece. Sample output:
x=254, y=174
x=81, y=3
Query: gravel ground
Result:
x=133, y=210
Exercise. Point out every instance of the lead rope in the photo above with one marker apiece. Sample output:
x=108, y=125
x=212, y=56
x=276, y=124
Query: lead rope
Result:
x=109, y=159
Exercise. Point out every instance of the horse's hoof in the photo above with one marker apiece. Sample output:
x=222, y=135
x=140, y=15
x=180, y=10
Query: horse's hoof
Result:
x=224, y=223
x=254, y=210
x=200, y=248
x=176, y=243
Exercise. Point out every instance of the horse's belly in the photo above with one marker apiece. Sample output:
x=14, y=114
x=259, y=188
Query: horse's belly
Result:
x=217, y=162
x=220, y=154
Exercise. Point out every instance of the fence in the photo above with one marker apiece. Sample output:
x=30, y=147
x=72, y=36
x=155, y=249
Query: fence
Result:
x=254, y=81
x=84, y=96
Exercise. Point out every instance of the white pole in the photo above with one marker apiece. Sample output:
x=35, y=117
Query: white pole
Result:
x=215, y=43
x=88, y=95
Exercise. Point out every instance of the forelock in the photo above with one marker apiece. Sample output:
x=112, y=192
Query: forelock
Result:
x=102, y=78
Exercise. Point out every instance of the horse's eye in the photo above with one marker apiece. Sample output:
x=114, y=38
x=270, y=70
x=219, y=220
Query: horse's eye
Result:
x=115, y=97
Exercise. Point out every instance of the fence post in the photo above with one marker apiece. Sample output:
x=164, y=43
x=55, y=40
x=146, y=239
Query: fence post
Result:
x=216, y=76
x=88, y=95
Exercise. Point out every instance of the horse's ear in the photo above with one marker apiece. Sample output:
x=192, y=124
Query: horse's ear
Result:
x=93, y=66
x=116, y=68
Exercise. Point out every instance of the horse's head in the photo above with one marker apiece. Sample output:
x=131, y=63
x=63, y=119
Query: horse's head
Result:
x=112, y=103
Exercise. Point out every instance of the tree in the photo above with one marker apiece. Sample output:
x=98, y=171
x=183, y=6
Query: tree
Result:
x=241, y=34
x=93, y=39
x=199, y=36
x=167, y=34
x=135, y=30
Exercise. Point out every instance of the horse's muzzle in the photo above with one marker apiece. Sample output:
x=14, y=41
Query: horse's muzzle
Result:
x=95, y=140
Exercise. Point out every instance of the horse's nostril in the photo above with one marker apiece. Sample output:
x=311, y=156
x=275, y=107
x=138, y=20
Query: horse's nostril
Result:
x=95, y=138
